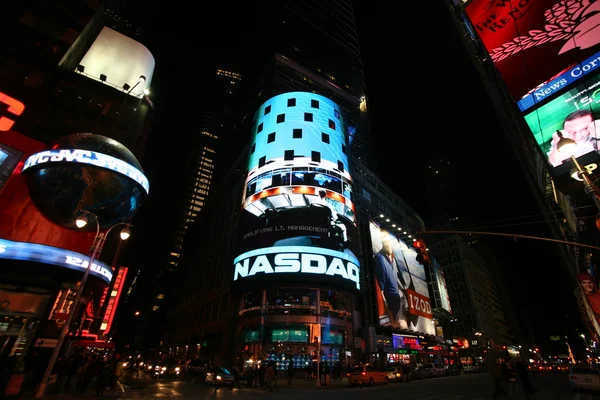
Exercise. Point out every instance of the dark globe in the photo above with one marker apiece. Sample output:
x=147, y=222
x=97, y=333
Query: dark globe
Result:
x=61, y=190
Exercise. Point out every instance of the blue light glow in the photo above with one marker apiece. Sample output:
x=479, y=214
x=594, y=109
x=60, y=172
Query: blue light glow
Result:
x=24, y=251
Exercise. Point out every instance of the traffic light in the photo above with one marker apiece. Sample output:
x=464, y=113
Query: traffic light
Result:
x=421, y=249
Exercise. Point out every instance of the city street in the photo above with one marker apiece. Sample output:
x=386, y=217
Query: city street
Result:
x=464, y=387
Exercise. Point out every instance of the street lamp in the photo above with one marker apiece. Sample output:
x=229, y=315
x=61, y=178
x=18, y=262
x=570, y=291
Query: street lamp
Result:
x=96, y=250
x=567, y=146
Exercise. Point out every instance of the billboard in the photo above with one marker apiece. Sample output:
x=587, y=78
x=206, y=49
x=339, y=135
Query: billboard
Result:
x=401, y=284
x=298, y=222
x=119, y=61
x=442, y=289
x=532, y=41
x=574, y=115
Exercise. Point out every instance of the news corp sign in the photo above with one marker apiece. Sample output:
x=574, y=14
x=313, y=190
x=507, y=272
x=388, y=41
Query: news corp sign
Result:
x=88, y=157
x=298, y=224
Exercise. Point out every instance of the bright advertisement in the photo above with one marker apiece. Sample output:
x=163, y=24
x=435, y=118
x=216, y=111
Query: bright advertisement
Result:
x=572, y=115
x=532, y=41
x=402, y=293
x=298, y=222
x=440, y=280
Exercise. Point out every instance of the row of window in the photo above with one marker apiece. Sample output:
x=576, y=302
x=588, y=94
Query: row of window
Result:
x=308, y=117
x=288, y=155
x=291, y=102
x=296, y=134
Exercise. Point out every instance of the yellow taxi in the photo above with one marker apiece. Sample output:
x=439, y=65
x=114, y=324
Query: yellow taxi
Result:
x=367, y=374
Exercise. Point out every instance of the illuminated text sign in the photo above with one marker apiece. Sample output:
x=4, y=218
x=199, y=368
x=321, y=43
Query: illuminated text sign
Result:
x=91, y=158
x=297, y=259
x=24, y=251
x=15, y=107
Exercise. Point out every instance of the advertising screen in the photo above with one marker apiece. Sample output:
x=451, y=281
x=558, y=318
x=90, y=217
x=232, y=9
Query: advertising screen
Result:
x=532, y=41
x=573, y=115
x=298, y=222
x=442, y=289
x=401, y=285
x=9, y=158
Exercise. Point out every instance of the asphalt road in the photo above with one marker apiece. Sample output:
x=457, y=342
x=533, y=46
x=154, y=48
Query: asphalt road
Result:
x=551, y=386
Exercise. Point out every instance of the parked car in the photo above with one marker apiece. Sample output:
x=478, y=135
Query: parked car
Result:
x=367, y=374
x=394, y=374
x=584, y=377
x=220, y=377
x=429, y=370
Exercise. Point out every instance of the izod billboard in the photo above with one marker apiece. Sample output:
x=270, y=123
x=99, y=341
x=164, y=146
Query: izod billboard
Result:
x=298, y=224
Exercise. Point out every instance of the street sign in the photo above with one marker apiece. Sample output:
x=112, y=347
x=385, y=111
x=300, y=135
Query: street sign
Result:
x=48, y=343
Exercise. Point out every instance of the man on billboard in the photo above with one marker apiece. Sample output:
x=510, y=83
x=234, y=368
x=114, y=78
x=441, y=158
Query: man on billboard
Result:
x=335, y=221
x=391, y=283
x=581, y=127
x=588, y=285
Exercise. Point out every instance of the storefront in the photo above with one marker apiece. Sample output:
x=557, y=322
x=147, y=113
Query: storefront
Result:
x=282, y=329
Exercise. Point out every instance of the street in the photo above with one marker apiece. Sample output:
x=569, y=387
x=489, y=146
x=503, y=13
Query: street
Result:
x=464, y=387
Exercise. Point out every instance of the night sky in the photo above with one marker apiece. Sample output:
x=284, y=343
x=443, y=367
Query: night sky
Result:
x=425, y=100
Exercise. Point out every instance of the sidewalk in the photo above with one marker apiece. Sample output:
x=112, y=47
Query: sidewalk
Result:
x=300, y=382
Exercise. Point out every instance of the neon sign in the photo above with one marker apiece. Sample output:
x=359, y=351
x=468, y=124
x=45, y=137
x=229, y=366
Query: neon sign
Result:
x=91, y=158
x=24, y=251
x=14, y=107
x=297, y=259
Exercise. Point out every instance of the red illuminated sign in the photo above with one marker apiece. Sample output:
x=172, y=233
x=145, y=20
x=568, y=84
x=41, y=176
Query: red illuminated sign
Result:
x=113, y=300
x=532, y=41
x=419, y=304
x=14, y=107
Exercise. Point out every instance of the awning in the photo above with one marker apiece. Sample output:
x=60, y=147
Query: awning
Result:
x=94, y=343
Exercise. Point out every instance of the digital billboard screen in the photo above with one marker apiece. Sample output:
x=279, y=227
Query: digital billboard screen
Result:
x=442, y=289
x=401, y=284
x=573, y=115
x=9, y=158
x=298, y=222
x=532, y=41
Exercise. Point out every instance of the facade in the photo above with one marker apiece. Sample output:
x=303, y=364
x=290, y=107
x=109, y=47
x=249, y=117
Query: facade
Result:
x=537, y=105
x=53, y=85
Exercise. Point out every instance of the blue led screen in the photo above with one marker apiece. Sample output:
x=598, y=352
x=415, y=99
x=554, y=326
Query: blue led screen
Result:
x=299, y=221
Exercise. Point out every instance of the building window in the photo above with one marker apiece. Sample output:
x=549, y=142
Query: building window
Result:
x=262, y=161
x=267, y=109
x=331, y=124
x=344, y=149
x=340, y=166
x=280, y=118
x=325, y=137
x=297, y=134
x=291, y=102
x=271, y=137
x=314, y=103
x=253, y=149
x=259, y=128
x=336, y=113
x=288, y=155
x=316, y=156
x=308, y=117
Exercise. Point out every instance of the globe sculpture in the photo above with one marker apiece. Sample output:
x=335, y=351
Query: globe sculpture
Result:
x=88, y=172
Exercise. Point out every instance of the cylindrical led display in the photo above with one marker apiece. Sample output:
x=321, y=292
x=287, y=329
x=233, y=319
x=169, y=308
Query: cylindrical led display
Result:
x=298, y=223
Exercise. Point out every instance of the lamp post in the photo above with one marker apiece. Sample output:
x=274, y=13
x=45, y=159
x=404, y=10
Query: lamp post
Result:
x=567, y=146
x=96, y=250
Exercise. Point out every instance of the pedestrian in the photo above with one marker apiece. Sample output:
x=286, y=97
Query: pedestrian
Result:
x=497, y=379
x=103, y=378
x=91, y=368
x=406, y=372
x=523, y=375
x=261, y=375
x=270, y=377
x=290, y=372
x=236, y=377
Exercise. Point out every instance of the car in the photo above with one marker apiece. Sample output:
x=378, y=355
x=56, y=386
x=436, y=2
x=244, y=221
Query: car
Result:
x=429, y=370
x=584, y=377
x=394, y=374
x=219, y=376
x=367, y=374
x=167, y=367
